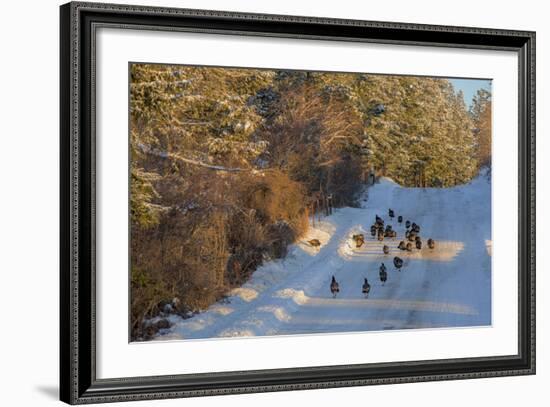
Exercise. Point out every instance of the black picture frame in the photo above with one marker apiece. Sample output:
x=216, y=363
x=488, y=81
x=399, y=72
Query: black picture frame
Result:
x=78, y=382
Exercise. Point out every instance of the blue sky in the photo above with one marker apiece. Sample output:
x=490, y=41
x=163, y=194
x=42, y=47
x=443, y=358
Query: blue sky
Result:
x=470, y=87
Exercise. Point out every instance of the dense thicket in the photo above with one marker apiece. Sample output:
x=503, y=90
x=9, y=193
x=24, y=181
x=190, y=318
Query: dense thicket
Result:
x=228, y=164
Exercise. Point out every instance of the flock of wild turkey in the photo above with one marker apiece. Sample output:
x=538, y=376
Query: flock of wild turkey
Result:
x=378, y=231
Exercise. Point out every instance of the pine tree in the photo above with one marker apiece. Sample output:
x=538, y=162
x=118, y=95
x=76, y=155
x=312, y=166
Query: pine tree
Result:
x=481, y=117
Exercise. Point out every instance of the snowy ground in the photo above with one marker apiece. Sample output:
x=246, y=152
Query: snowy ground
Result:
x=449, y=286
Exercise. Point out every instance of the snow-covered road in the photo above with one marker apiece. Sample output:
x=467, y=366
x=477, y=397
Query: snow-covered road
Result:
x=449, y=286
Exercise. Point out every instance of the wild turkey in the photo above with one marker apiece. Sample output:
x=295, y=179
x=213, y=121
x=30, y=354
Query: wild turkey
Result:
x=382, y=267
x=412, y=236
x=402, y=245
x=417, y=238
x=386, y=249
x=416, y=229
x=431, y=243
x=314, y=242
x=398, y=263
x=390, y=213
x=408, y=224
x=373, y=230
x=366, y=288
x=380, y=235
x=379, y=221
x=419, y=244
x=400, y=219
x=409, y=247
x=359, y=240
x=334, y=287
x=383, y=276
x=393, y=234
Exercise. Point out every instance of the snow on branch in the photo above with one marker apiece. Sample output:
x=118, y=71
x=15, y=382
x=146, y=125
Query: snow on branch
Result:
x=165, y=154
x=160, y=83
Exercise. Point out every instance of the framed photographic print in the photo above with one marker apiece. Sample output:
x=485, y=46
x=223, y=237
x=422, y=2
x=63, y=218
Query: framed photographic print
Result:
x=256, y=203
